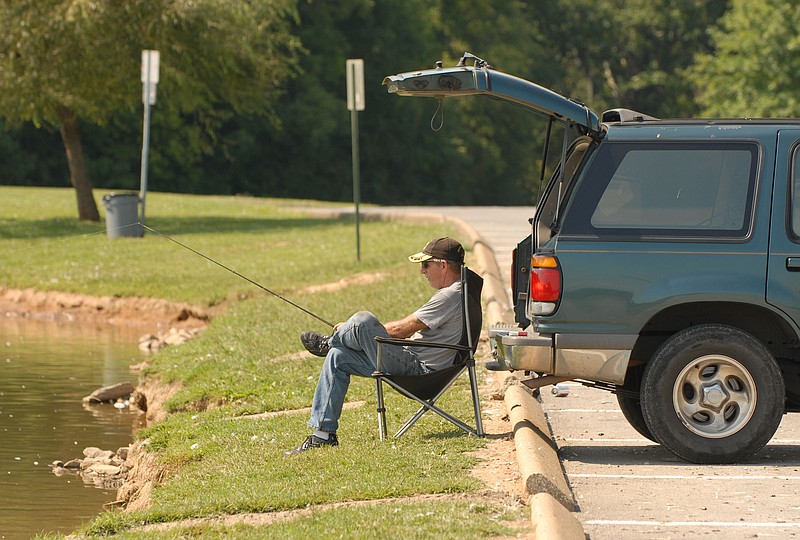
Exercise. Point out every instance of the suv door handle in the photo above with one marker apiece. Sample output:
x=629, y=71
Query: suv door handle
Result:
x=793, y=263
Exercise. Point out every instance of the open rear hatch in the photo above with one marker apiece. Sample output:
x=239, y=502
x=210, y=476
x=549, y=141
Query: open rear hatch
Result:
x=482, y=79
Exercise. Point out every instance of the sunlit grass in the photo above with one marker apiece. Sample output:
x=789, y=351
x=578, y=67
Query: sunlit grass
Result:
x=446, y=520
x=44, y=246
x=239, y=358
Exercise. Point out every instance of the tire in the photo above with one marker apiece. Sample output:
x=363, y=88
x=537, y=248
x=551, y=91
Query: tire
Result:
x=632, y=411
x=712, y=394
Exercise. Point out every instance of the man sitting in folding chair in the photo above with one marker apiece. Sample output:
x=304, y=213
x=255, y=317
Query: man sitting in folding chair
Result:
x=352, y=349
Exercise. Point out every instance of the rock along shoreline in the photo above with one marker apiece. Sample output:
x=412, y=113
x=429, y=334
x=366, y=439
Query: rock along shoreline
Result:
x=131, y=470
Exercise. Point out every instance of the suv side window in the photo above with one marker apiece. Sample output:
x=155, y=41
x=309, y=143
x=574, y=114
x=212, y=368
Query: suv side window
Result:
x=553, y=200
x=673, y=190
x=795, y=196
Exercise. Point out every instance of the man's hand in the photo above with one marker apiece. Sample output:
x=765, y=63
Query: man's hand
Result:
x=405, y=328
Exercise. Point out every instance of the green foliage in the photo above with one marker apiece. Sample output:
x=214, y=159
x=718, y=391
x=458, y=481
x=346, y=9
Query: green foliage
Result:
x=753, y=71
x=263, y=112
x=50, y=46
x=632, y=54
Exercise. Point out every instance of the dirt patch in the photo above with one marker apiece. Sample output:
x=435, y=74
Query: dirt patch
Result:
x=123, y=311
x=358, y=279
x=270, y=518
x=498, y=466
x=150, y=396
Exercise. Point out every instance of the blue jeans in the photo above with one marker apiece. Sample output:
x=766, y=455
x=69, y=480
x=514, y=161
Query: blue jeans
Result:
x=354, y=351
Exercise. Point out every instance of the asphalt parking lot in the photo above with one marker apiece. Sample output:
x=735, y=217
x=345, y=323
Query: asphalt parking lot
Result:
x=627, y=487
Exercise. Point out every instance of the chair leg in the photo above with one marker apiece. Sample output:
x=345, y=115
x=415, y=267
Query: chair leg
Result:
x=411, y=422
x=429, y=405
x=444, y=414
x=476, y=403
x=381, y=409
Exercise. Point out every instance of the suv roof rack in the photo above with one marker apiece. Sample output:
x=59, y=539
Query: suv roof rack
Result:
x=625, y=115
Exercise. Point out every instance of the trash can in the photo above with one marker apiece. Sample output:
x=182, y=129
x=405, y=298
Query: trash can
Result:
x=122, y=215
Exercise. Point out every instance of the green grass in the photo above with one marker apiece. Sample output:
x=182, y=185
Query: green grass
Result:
x=43, y=245
x=222, y=462
x=238, y=359
x=444, y=520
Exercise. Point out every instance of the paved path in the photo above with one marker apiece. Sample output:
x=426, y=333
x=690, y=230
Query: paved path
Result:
x=502, y=227
x=630, y=488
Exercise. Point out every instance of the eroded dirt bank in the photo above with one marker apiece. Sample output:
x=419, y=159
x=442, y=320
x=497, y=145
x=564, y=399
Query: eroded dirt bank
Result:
x=127, y=311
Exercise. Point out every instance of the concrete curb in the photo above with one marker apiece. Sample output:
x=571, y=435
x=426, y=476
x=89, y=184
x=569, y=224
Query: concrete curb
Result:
x=551, y=520
x=537, y=454
x=543, y=478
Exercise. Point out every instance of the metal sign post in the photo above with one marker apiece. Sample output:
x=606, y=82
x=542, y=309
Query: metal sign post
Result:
x=150, y=60
x=355, y=103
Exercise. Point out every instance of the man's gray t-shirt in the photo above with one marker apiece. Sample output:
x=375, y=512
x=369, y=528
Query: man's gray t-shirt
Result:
x=443, y=316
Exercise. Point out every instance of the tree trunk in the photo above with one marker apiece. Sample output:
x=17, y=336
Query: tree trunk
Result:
x=78, y=175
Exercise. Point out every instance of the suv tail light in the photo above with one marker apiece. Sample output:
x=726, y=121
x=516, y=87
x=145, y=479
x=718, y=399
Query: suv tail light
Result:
x=545, y=284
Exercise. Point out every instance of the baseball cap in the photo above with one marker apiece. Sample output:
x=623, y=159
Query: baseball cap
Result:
x=441, y=248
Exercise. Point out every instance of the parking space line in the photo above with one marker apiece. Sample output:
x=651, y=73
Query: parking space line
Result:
x=583, y=411
x=686, y=477
x=759, y=524
x=642, y=439
x=608, y=440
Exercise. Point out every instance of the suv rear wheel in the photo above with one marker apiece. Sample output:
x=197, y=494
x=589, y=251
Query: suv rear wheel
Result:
x=712, y=394
x=632, y=411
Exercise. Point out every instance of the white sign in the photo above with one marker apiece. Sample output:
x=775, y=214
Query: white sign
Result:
x=355, y=84
x=150, y=61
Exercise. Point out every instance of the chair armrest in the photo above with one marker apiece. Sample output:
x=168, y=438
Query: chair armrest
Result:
x=420, y=343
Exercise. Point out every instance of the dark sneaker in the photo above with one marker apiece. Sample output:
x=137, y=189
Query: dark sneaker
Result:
x=312, y=441
x=315, y=343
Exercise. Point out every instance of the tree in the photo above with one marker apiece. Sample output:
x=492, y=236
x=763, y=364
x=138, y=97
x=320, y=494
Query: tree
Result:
x=627, y=53
x=482, y=143
x=755, y=69
x=62, y=61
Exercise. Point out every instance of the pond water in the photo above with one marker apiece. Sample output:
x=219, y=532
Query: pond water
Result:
x=46, y=367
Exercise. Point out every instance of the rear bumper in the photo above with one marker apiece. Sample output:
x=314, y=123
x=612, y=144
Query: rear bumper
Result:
x=586, y=356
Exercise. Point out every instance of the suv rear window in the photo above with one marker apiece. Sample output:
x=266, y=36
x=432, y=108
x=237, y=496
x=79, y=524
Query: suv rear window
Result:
x=681, y=190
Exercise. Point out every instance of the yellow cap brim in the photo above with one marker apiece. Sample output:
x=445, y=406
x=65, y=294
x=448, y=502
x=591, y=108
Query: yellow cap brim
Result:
x=419, y=257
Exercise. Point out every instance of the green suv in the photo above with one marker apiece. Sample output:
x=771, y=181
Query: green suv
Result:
x=663, y=265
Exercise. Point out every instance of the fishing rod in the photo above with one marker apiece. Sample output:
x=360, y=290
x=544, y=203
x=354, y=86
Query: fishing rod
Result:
x=231, y=270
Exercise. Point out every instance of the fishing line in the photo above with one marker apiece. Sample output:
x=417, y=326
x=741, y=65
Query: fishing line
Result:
x=59, y=241
x=70, y=238
x=231, y=270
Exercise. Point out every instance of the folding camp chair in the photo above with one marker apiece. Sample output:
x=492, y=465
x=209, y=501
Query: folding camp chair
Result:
x=426, y=389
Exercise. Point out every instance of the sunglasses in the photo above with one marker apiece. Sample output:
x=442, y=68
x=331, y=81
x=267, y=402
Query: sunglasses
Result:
x=426, y=263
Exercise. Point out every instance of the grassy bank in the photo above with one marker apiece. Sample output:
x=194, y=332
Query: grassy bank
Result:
x=243, y=379
x=44, y=246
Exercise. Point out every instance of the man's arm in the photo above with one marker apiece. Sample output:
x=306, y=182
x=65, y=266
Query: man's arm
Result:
x=405, y=328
